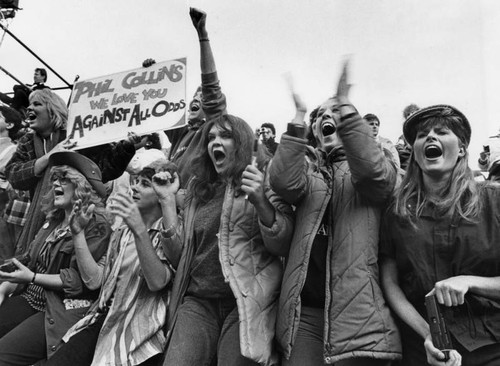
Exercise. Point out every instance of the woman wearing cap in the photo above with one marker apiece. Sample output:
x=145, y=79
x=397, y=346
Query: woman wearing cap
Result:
x=224, y=297
x=440, y=237
x=27, y=170
x=50, y=293
x=125, y=324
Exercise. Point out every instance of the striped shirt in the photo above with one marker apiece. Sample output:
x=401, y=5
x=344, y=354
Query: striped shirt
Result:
x=133, y=329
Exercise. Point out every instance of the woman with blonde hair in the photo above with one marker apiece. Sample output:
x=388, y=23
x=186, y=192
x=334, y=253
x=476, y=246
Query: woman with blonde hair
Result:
x=40, y=301
x=440, y=238
x=27, y=170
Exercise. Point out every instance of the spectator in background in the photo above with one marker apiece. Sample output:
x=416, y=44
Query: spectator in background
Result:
x=268, y=134
x=20, y=100
x=402, y=146
x=10, y=124
x=385, y=144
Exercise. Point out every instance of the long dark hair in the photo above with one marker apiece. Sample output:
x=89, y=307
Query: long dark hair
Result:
x=205, y=176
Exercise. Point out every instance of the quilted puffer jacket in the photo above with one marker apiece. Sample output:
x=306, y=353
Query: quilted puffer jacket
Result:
x=354, y=183
x=249, y=254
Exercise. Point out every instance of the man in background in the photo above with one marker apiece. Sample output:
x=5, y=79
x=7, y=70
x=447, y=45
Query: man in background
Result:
x=268, y=134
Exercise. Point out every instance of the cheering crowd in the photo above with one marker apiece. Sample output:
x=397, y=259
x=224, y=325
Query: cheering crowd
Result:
x=319, y=249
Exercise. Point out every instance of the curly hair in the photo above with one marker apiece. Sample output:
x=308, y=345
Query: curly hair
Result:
x=83, y=191
x=206, y=178
x=56, y=106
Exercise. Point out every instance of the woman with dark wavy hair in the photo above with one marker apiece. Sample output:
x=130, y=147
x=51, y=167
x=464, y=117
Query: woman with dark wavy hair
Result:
x=207, y=176
x=440, y=238
x=50, y=295
x=224, y=297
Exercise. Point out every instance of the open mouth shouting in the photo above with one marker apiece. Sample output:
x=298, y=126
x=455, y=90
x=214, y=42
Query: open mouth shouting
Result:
x=194, y=107
x=218, y=157
x=328, y=128
x=432, y=152
x=31, y=116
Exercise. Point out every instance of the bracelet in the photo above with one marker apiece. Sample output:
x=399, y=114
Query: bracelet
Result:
x=33, y=279
x=204, y=40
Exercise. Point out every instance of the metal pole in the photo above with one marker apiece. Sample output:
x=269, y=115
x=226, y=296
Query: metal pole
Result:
x=34, y=54
x=12, y=76
x=71, y=94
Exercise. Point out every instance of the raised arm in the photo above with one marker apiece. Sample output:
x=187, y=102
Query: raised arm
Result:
x=166, y=185
x=213, y=101
x=91, y=271
x=156, y=274
x=373, y=174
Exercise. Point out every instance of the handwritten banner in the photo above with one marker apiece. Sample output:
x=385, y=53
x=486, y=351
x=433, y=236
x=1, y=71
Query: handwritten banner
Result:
x=144, y=100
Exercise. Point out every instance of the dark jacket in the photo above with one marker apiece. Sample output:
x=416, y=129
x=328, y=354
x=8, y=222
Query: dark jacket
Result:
x=58, y=319
x=353, y=187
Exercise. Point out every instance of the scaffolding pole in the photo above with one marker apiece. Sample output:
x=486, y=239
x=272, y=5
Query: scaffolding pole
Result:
x=34, y=54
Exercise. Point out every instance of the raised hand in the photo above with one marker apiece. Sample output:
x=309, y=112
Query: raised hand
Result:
x=165, y=184
x=199, y=19
x=252, y=183
x=343, y=86
x=124, y=206
x=148, y=62
x=80, y=217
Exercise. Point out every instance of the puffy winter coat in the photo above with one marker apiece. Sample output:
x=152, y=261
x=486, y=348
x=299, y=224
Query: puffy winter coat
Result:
x=354, y=186
x=248, y=252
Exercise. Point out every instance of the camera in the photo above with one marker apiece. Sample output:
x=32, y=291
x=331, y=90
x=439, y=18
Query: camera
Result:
x=262, y=130
x=439, y=331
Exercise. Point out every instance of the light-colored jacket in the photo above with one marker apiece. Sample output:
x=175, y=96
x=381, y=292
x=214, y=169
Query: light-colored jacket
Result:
x=353, y=182
x=248, y=252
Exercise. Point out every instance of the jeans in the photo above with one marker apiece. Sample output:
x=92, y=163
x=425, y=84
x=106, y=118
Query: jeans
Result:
x=308, y=346
x=206, y=332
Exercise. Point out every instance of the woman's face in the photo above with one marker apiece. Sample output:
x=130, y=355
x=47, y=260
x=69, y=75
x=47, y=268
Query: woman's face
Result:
x=221, y=149
x=38, y=116
x=325, y=126
x=143, y=193
x=437, y=150
x=64, y=191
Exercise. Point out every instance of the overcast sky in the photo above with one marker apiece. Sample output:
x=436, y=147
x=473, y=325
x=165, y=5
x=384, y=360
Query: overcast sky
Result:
x=403, y=51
